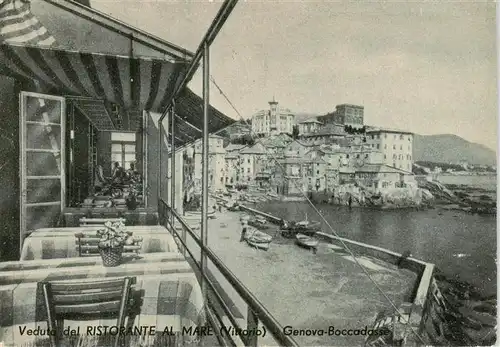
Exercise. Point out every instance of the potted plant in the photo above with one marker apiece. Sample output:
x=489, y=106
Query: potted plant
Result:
x=112, y=239
x=131, y=199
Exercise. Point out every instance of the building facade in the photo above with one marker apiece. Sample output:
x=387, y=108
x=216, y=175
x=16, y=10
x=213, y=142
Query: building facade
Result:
x=216, y=163
x=275, y=120
x=345, y=114
x=309, y=126
x=396, y=146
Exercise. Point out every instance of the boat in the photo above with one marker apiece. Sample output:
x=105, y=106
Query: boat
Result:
x=305, y=226
x=263, y=246
x=258, y=223
x=306, y=241
x=256, y=238
x=273, y=195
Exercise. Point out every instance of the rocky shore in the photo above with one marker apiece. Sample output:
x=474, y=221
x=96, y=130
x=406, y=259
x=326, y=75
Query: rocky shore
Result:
x=462, y=197
x=470, y=318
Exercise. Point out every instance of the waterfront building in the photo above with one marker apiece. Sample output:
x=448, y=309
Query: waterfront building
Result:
x=345, y=114
x=232, y=169
x=276, y=120
x=396, y=146
x=381, y=176
x=295, y=176
x=253, y=160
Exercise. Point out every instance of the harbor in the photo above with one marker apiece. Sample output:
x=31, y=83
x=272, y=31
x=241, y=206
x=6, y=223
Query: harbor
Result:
x=304, y=290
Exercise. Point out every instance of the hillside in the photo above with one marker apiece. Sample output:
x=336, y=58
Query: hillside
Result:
x=451, y=149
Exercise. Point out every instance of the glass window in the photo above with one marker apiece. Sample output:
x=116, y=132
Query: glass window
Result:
x=123, y=137
x=130, y=148
x=123, y=149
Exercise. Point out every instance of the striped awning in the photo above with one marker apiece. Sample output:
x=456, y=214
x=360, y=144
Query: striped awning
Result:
x=133, y=83
x=189, y=119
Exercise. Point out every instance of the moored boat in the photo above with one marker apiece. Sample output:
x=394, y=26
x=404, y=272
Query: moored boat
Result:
x=306, y=241
x=256, y=238
x=258, y=224
x=260, y=245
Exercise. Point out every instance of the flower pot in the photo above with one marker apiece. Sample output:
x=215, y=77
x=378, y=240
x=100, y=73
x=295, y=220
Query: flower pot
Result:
x=131, y=203
x=111, y=256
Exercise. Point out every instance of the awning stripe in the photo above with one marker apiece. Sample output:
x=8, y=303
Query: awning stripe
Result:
x=11, y=68
x=146, y=70
x=70, y=72
x=19, y=25
x=104, y=76
x=20, y=64
x=54, y=65
x=135, y=82
x=155, y=81
x=170, y=87
x=165, y=83
x=38, y=58
x=82, y=76
x=116, y=83
x=93, y=74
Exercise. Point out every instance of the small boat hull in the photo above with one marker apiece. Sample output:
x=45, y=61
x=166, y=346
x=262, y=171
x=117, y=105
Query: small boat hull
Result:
x=260, y=245
x=305, y=241
x=256, y=238
x=292, y=233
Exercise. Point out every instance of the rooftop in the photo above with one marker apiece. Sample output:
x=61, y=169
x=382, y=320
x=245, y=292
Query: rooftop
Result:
x=373, y=129
x=234, y=147
x=309, y=121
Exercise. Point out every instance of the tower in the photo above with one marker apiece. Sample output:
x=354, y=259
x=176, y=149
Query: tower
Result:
x=273, y=105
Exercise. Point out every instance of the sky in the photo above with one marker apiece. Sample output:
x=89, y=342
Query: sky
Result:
x=425, y=67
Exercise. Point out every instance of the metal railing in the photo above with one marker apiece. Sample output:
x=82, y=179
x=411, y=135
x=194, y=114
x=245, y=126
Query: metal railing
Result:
x=256, y=312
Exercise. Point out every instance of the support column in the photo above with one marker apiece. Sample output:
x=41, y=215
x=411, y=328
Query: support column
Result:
x=173, y=168
x=204, y=181
x=160, y=163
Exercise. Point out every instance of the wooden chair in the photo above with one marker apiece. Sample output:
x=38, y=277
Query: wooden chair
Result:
x=77, y=300
x=87, y=245
x=99, y=221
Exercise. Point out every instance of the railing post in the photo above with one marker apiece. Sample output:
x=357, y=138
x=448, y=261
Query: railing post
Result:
x=204, y=182
x=172, y=169
x=252, y=325
x=160, y=163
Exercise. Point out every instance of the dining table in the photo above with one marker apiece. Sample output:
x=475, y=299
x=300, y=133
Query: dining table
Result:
x=167, y=297
x=50, y=243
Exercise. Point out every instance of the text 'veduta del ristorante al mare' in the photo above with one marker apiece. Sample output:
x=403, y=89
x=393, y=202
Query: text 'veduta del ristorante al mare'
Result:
x=99, y=330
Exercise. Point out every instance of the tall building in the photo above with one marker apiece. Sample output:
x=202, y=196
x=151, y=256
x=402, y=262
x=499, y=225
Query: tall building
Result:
x=345, y=114
x=216, y=163
x=396, y=146
x=275, y=120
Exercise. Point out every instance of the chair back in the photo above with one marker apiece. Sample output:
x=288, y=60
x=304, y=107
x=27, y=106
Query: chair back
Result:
x=74, y=299
x=99, y=174
x=87, y=245
x=99, y=221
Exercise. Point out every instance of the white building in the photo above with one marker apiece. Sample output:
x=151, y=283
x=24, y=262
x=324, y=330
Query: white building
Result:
x=216, y=163
x=396, y=146
x=275, y=120
x=309, y=126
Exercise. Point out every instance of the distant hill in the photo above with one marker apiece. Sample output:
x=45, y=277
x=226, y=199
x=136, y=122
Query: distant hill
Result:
x=448, y=148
